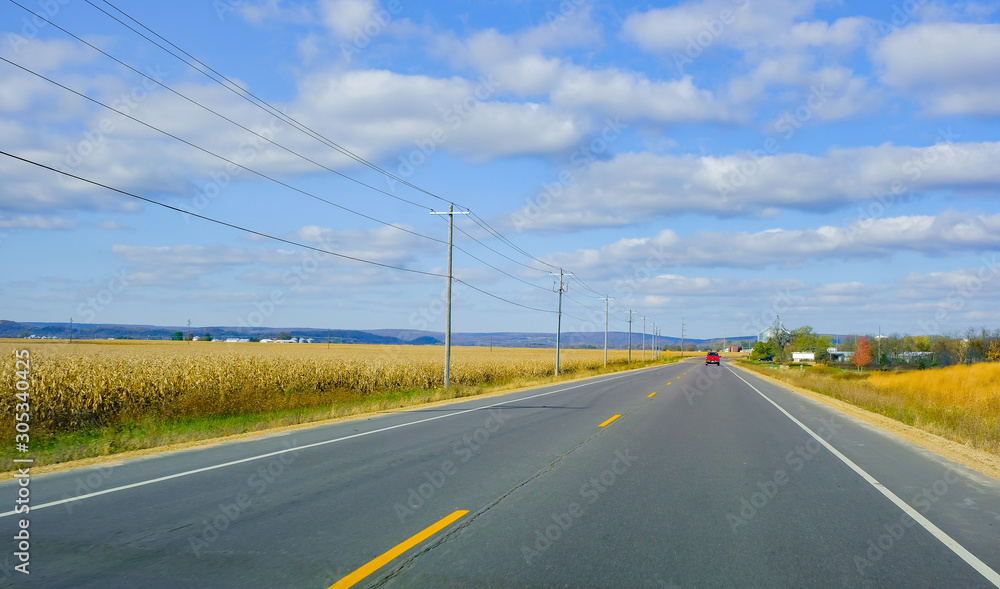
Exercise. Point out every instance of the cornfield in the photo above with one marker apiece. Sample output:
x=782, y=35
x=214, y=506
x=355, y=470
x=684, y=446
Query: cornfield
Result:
x=960, y=402
x=83, y=385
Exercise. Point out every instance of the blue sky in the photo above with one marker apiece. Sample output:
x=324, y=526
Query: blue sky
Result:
x=719, y=161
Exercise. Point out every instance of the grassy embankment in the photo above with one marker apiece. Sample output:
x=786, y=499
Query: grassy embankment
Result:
x=961, y=403
x=92, y=399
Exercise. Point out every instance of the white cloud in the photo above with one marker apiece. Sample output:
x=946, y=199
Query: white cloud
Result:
x=635, y=186
x=950, y=67
x=521, y=64
x=742, y=25
x=47, y=223
x=343, y=17
x=950, y=232
x=377, y=112
x=271, y=10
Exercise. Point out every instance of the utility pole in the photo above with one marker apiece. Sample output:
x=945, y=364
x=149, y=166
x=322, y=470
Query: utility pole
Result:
x=70, y=330
x=189, y=332
x=643, y=339
x=878, y=360
x=447, y=314
x=630, y=336
x=606, y=300
x=682, y=337
x=563, y=287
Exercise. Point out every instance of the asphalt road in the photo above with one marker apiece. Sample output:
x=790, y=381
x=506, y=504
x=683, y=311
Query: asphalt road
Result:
x=719, y=479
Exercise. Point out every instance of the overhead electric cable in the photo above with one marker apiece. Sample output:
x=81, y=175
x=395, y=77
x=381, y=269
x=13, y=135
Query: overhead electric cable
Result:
x=257, y=101
x=218, y=222
x=223, y=117
x=227, y=160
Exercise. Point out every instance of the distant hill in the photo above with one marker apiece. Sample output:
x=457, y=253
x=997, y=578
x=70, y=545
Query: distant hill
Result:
x=616, y=339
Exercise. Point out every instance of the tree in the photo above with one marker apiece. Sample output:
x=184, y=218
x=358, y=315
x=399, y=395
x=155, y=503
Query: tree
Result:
x=994, y=354
x=284, y=335
x=761, y=350
x=207, y=337
x=862, y=353
x=178, y=336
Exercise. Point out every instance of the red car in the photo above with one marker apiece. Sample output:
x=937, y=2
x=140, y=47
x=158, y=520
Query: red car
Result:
x=712, y=358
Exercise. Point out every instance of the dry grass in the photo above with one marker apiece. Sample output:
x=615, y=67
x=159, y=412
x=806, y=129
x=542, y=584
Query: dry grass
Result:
x=131, y=389
x=961, y=403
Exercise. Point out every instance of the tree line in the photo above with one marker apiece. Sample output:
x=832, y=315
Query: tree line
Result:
x=923, y=351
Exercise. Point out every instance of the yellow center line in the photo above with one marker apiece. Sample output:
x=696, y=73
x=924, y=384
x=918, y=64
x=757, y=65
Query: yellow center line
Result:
x=650, y=395
x=669, y=383
x=609, y=421
x=381, y=561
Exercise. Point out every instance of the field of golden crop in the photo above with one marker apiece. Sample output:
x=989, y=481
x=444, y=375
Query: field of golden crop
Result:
x=959, y=402
x=92, y=384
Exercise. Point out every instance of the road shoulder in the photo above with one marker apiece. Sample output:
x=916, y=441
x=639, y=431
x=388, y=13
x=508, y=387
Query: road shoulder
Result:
x=978, y=460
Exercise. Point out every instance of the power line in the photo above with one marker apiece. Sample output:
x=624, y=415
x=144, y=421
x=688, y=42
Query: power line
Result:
x=217, y=221
x=227, y=160
x=221, y=116
x=266, y=107
x=477, y=240
x=272, y=110
x=265, y=176
x=267, y=235
x=257, y=101
x=499, y=298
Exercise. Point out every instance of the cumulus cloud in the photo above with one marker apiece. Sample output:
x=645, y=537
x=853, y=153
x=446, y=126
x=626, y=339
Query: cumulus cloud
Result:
x=635, y=186
x=742, y=25
x=948, y=233
x=521, y=63
x=950, y=67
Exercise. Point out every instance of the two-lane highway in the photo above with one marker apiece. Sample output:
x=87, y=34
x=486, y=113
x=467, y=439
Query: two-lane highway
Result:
x=681, y=475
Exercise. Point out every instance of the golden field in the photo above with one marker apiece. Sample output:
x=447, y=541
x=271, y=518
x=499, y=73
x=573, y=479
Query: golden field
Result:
x=95, y=384
x=959, y=402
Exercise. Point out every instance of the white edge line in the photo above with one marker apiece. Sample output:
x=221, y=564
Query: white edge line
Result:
x=980, y=566
x=298, y=448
